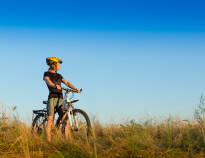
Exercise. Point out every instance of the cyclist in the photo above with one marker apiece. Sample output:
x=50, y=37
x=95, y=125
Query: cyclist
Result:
x=55, y=97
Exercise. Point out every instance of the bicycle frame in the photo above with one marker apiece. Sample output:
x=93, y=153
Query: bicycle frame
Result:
x=68, y=106
x=70, y=116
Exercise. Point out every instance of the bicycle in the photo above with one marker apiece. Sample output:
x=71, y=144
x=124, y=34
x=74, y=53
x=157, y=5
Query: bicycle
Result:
x=78, y=119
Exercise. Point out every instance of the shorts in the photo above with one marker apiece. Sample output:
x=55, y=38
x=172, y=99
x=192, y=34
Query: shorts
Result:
x=52, y=104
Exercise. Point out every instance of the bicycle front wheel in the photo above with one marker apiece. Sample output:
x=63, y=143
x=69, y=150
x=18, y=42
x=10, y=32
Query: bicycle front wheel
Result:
x=81, y=123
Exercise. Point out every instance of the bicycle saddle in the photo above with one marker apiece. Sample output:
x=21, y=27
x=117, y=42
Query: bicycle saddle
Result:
x=39, y=111
x=45, y=102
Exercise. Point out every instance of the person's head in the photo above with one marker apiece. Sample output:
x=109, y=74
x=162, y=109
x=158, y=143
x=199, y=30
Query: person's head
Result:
x=54, y=63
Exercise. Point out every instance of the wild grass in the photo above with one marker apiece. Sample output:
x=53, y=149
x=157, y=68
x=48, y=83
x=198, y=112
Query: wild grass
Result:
x=167, y=138
x=171, y=139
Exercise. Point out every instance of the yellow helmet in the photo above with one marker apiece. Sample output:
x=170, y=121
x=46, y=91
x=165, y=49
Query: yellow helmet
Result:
x=51, y=60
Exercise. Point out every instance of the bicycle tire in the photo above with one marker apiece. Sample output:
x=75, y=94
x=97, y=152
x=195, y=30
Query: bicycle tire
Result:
x=39, y=124
x=86, y=124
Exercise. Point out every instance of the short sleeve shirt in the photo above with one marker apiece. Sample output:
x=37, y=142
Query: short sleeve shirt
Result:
x=56, y=79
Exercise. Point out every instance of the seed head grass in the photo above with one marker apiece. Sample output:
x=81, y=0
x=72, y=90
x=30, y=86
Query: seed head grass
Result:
x=168, y=138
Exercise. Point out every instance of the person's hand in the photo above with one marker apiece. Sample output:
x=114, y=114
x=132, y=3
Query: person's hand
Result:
x=58, y=87
x=78, y=90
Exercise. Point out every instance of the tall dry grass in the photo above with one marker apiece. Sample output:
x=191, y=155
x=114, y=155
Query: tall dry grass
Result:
x=167, y=138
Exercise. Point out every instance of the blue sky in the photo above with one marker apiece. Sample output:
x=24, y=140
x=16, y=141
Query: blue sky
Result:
x=131, y=58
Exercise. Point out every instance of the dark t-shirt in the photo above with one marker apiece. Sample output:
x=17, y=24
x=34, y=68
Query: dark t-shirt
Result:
x=56, y=79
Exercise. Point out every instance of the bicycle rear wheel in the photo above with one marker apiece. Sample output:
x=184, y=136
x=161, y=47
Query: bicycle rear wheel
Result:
x=39, y=124
x=81, y=125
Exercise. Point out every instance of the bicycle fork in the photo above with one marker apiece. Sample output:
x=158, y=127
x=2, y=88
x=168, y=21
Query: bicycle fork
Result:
x=69, y=111
x=73, y=125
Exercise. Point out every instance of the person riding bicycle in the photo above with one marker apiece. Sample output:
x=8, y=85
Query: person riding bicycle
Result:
x=55, y=97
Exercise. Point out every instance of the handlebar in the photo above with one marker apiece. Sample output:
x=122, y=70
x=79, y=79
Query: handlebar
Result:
x=70, y=90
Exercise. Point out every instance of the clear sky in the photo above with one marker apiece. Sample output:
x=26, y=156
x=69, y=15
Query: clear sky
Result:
x=132, y=58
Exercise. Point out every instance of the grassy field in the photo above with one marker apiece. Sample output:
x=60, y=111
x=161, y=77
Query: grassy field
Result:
x=168, y=138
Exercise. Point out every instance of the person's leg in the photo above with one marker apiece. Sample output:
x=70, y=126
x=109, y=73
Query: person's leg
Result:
x=59, y=111
x=62, y=117
x=50, y=109
x=67, y=130
x=48, y=128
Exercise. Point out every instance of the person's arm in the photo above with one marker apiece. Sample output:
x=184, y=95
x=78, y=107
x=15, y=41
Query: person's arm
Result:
x=70, y=85
x=50, y=83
